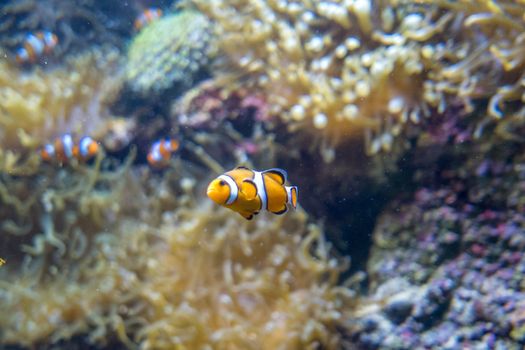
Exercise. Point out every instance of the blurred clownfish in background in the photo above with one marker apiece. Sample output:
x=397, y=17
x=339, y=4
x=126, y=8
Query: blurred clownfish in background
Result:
x=248, y=191
x=160, y=152
x=65, y=148
x=35, y=45
x=146, y=17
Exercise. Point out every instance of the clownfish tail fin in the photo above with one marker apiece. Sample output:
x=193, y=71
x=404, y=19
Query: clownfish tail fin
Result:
x=292, y=191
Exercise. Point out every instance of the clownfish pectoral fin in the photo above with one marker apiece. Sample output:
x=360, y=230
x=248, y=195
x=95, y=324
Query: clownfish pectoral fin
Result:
x=282, y=211
x=276, y=174
x=249, y=189
x=247, y=216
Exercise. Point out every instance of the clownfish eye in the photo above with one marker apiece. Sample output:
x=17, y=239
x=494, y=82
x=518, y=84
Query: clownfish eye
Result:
x=222, y=183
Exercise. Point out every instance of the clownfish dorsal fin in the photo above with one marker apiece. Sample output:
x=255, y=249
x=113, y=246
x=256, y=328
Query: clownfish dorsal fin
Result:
x=276, y=174
x=249, y=189
x=242, y=167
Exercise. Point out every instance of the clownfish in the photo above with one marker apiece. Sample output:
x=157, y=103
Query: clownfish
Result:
x=146, y=17
x=248, y=191
x=160, y=152
x=65, y=148
x=35, y=45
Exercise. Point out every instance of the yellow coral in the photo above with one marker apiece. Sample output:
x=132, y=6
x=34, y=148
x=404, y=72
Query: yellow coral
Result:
x=365, y=69
x=37, y=105
x=188, y=277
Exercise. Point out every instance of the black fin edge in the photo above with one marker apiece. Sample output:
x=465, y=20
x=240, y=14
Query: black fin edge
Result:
x=281, y=212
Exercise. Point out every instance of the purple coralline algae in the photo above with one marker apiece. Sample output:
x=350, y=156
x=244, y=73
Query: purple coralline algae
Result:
x=447, y=263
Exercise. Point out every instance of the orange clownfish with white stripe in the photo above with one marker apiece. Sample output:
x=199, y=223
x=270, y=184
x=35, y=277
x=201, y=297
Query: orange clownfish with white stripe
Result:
x=248, y=191
x=146, y=17
x=65, y=148
x=159, y=154
x=35, y=45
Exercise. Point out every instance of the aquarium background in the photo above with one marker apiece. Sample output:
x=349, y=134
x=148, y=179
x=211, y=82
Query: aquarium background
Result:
x=402, y=122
